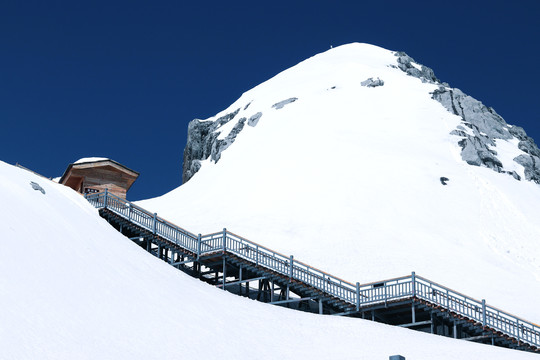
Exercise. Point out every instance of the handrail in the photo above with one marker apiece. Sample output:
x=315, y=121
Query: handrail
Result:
x=362, y=296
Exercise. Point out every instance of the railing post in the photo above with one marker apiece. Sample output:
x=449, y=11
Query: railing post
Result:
x=198, y=246
x=129, y=213
x=484, y=312
x=155, y=221
x=357, y=296
x=517, y=331
x=224, y=240
x=105, y=199
x=291, y=264
x=257, y=255
x=413, y=277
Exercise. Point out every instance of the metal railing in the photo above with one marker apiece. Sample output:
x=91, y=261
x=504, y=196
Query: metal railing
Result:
x=364, y=296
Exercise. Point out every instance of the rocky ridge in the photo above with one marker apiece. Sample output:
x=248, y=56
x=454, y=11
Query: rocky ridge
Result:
x=204, y=137
x=481, y=126
x=478, y=133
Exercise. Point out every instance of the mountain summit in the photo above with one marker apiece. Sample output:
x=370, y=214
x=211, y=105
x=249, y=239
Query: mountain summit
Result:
x=361, y=162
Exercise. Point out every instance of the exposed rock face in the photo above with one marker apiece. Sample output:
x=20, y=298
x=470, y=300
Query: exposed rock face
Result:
x=203, y=139
x=405, y=63
x=254, y=119
x=372, y=83
x=483, y=123
x=282, y=103
x=201, y=142
x=484, y=118
x=531, y=165
x=219, y=145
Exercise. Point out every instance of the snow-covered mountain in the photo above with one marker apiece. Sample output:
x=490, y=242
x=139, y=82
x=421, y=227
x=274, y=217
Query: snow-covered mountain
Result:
x=361, y=162
x=346, y=177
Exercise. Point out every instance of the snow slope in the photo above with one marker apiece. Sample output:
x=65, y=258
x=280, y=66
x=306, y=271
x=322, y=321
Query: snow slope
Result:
x=347, y=179
x=71, y=287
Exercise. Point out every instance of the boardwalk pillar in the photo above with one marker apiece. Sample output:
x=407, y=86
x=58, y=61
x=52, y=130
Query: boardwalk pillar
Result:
x=224, y=272
x=357, y=296
x=484, y=312
x=257, y=254
x=413, y=313
x=105, y=198
x=224, y=240
x=198, y=246
x=320, y=307
x=291, y=264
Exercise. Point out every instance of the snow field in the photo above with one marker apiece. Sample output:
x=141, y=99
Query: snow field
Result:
x=72, y=287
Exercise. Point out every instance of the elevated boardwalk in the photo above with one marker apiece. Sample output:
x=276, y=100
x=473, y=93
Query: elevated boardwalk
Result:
x=233, y=263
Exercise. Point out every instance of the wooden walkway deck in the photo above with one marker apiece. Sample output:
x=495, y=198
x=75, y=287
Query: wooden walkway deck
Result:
x=241, y=266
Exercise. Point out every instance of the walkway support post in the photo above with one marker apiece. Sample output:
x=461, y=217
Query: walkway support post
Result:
x=224, y=272
x=224, y=240
x=413, y=277
x=105, y=200
x=357, y=296
x=291, y=264
x=484, y=312
x=198, y=246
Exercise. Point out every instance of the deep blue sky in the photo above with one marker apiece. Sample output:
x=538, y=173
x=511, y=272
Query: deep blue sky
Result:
x=123, y=79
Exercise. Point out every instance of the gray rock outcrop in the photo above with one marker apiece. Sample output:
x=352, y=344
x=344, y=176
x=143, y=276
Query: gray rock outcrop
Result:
x=483, y=123
x=254, y=119
x=425, y=74
x=484, y=118
x=372, y=83
x=531, y=165
x=282, y=103
x=202, y=142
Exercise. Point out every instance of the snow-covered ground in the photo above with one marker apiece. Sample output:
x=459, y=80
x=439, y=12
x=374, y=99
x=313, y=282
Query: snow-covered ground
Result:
x=347, y=179
x=71, y=287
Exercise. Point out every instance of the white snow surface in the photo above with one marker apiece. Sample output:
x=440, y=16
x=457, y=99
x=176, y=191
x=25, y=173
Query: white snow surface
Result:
x=72, y=287
x=90, y=159
x=348, y=180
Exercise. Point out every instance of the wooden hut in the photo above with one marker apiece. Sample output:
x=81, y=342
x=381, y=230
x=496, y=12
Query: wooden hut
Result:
x=91, y=175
